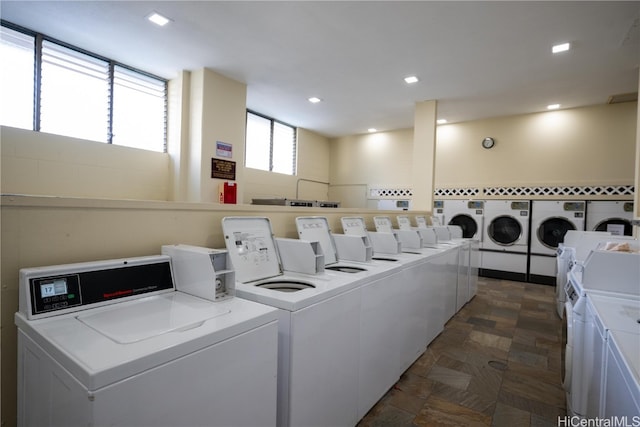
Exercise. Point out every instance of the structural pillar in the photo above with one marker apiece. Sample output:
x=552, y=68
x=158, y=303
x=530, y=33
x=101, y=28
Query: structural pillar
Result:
x=424, y=154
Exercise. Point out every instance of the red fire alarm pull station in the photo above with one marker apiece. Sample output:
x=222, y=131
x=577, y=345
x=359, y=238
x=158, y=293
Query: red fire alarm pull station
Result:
x=227, y=192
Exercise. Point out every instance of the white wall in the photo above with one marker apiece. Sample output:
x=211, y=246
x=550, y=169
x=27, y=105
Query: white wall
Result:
x=53, y=165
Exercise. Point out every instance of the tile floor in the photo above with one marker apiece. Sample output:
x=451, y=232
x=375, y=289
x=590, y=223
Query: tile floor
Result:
x=497, y=363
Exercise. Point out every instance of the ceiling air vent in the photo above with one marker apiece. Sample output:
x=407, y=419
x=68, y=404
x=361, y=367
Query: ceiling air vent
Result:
x=623, y=97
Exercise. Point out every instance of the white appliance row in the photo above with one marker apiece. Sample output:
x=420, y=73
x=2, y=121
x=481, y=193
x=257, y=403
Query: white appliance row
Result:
x=519, y=239
x=601, y=335
x=267, y=332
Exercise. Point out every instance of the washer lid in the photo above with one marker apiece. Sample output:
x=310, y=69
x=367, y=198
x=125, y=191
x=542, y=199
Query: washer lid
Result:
x=252, y=248
x=383, y=224
x=147, y=318
x=354, y=225
x=316, y=229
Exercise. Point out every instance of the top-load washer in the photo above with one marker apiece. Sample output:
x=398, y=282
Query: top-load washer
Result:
x=550, y=221
x=319, y=321
x=445, y=265
x=386, y=343
x=426, y=313
x=576, y=247
x=468, y=214
x=505, y=239
x=604, y=272
x=611, y=366
x=613, y=216
x=114, y=343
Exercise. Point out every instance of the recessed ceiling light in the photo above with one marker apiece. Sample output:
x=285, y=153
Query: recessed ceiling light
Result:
x=441, y=121
x=372, y=130
x=553, y=106
x=411, y=79
x=158, y=19
x=563, y=47
x=314, y=100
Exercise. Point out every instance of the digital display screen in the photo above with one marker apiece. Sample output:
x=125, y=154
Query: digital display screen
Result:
x=53, y=288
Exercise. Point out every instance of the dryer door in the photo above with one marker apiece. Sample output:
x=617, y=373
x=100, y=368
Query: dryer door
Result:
x=505, y=230
x=615, y=225
x=552, y=230
x=467, y=223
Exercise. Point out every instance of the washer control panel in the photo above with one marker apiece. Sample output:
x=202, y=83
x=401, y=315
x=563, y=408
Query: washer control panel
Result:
x=61, y=289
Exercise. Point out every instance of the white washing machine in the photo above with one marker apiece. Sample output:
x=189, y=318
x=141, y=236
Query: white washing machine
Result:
x=618, y=394
x=318, y=327
x=610, y=215
x=576, y=247
x=505, y=239
x=426, y=311
x=468, y=214
x=615, y=274
x=621, y=380
x=444, y=262
x=386, y=340
x=550, y=221
x=113, y=343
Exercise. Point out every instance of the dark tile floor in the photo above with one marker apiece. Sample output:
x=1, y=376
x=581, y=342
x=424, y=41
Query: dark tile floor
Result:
x=497, y=363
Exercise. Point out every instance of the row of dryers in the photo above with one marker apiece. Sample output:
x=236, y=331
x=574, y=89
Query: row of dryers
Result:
x=519, y=238
x=322, y=326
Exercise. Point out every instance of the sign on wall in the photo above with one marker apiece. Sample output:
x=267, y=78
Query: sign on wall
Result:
x=223, y=169
x=224, y=150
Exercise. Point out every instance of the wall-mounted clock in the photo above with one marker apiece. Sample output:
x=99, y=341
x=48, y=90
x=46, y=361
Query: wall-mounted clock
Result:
x=488, y=142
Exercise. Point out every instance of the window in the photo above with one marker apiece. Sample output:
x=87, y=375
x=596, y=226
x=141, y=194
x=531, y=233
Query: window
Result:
x=271, y=145
x=78, y=94
x=16, y=78
x=139, y=106
x=74, y=93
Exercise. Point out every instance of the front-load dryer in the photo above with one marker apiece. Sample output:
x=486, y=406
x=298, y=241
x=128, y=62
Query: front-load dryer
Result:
x=505, y=239
x=113, y=343
x=610, y=215
x=318, y=326
x=437, y=216
x=550, y=221
x=468, y=214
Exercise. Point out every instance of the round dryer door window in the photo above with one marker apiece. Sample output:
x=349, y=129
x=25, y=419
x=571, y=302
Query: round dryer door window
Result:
x=468, y=225
x=552, y=230
x=615, y=224
x=505, y=230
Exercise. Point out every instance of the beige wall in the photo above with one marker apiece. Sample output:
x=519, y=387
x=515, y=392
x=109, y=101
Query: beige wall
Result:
x=53, y=165
x=39, y=231
x=575, y=147
x=582, y=146
x=358, y=162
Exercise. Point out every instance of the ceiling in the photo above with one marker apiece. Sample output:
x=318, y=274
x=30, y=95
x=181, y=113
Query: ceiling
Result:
x=477, y=59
